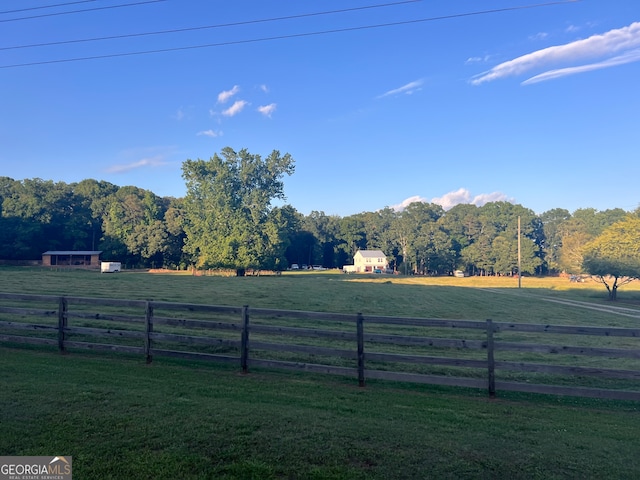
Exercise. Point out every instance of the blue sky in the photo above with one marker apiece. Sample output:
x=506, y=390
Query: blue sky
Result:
x=444, y=103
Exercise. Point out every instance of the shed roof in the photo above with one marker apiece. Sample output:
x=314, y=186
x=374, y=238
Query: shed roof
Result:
x=73, y=252
x=371, y=253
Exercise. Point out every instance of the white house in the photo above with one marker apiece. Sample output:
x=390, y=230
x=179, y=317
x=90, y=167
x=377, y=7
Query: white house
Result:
x=368, y=261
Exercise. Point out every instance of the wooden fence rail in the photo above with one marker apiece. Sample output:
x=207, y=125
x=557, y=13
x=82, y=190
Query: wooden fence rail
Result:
x=357, y=345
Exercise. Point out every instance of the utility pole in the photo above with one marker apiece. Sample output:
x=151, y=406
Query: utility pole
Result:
x=519, y=257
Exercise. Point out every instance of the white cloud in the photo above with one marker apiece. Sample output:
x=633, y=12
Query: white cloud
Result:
x=210, y=133
x=405, y=203
x=225, y=95
x=153, y=162
x=235, y=109
x=451, y=199
x=267, y=110
x=483, y=198
x=462, y=195
x=264, y=88
x=603, y=45
x=407, y=89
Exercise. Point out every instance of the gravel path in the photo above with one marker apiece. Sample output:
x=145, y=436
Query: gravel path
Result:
x=613, y=309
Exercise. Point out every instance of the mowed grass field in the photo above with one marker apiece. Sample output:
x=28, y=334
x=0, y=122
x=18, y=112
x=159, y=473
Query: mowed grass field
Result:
x=120, y=418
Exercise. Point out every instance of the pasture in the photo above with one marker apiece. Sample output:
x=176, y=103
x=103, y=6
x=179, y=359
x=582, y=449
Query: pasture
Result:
x=120, y=418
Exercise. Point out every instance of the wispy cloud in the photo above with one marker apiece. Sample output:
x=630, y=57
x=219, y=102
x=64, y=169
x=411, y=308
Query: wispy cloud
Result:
x=235, y=109
x=628, y=57
x=539, y=36
x=407, y=89
x=225, y=95
x=152, y=162
x=267, y=110
x=210, y=133
x=621, y=42
x=473, y=60
x=264, y=88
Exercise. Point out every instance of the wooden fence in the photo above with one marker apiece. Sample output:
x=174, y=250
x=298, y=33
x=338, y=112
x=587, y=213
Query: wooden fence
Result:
x=479, y=354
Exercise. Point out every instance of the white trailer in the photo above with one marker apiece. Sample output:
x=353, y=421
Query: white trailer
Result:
x=110, y=267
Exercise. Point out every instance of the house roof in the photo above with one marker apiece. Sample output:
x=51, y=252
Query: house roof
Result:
x=73, y=252
x=371, y=253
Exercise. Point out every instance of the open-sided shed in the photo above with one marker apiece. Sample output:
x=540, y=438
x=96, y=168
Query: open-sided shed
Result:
x=72, y=258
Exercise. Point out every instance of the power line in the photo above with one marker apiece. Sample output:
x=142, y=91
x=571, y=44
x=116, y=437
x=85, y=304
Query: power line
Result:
x=222, y=25
x=295, y=35
x=46, y=6
x=81, y=11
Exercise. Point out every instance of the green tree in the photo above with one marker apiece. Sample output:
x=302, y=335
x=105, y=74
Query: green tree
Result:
x=174, y=223
x=51, y=216
x=613, y=258
x=584, y=225
x=418, y=236
x=317, y=242
x=491, y=238
x=552, y=221
x=134, y=228
x=227, y=209
x=351, y=235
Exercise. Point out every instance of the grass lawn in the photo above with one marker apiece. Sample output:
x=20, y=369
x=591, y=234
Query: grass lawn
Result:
x=120, y=418
x=439, y=297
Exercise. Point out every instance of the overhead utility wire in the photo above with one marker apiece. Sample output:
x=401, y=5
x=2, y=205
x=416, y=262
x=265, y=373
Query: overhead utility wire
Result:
x=295, y=35
x=46, y=6
x=191, y=29
x=81, y=11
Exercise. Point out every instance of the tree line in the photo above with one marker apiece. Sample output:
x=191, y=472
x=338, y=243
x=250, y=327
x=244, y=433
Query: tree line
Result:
x=228, y=219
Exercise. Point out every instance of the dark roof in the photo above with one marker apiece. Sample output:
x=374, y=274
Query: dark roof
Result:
x=73, y=252
x=371, y=253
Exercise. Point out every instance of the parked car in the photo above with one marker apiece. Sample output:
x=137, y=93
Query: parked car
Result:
x=294, y=266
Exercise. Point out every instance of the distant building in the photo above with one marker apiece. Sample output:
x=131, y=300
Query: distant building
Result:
x=71, y=258
x=368, y=261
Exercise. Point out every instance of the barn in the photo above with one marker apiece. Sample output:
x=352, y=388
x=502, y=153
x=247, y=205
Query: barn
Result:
x=72, y=258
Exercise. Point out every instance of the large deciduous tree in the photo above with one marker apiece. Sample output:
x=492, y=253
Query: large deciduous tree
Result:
x=228, y=217
x=613, y=258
